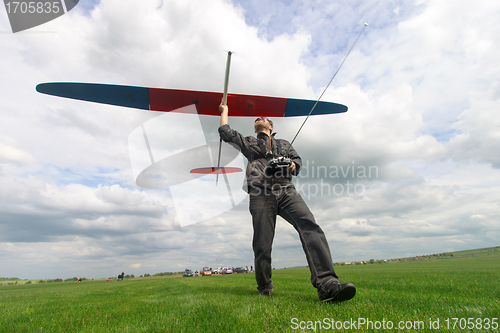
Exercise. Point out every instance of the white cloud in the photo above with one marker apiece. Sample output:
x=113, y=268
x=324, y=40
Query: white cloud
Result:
x=478, y=133
x=10, y=153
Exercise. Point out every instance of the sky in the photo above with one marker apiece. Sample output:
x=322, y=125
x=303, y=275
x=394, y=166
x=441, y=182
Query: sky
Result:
x=412, y=168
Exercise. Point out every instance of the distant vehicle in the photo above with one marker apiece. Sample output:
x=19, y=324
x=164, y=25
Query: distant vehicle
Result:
x=239, y=270
x=187, y=273
x=226, y=270
x=205, y=271
x=215, y=271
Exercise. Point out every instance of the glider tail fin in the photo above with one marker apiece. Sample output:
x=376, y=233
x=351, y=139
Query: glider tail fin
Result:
x=216, y=170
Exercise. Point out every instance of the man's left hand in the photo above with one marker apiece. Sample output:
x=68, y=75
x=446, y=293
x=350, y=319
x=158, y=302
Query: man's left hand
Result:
x=291, y=168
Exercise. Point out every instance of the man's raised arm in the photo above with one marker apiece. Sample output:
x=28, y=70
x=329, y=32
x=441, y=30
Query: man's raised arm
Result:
x=224, y=117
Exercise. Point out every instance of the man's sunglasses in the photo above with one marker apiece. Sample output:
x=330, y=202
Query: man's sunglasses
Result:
x=263, y=118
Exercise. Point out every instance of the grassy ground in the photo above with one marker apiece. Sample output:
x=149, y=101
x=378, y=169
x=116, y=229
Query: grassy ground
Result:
x=415, y=293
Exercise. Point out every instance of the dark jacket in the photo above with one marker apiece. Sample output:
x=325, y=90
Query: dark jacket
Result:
x=258, y=153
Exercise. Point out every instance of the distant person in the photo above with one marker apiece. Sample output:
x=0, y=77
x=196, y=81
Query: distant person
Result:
x=121, y=276
x=271, y=194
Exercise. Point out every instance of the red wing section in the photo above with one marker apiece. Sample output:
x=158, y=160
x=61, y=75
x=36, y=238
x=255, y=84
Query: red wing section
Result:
x=207, y=103
x=213, y=171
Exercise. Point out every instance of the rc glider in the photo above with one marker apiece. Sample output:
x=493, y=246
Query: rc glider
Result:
x=207, y=103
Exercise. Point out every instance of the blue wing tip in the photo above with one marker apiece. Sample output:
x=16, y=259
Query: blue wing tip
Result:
x=300, y=107
x=44, y=87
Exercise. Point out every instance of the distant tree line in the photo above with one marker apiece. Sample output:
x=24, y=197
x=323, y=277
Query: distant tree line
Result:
x=73, y=279
x=164, y=274
x=9, y=279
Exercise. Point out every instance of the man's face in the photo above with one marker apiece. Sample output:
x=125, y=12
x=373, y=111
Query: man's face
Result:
x=262, y=124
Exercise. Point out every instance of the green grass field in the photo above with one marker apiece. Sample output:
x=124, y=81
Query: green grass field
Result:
x=414, y=294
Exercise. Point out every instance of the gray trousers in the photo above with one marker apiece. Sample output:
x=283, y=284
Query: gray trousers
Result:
x=286, y=202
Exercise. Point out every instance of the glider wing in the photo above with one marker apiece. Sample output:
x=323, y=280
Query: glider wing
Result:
x=207, y=103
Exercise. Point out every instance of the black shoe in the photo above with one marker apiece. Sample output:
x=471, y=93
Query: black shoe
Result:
x=268, y=292
x=334, y=291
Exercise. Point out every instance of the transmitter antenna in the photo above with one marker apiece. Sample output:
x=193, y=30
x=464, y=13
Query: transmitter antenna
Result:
x=333, y=77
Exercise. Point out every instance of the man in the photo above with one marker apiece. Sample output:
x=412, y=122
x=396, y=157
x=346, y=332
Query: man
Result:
x=272, y=193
